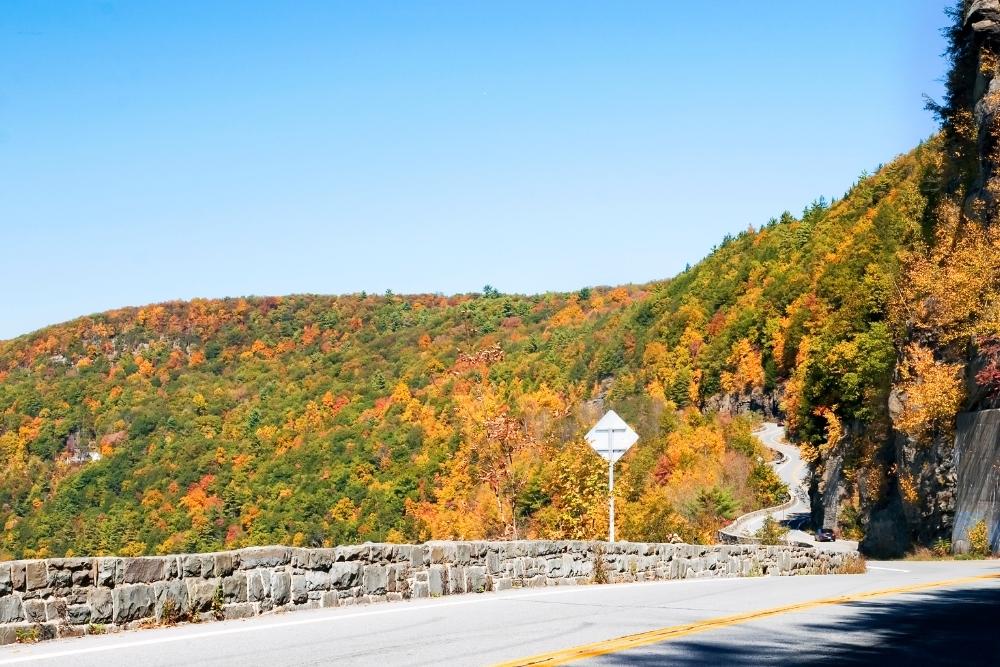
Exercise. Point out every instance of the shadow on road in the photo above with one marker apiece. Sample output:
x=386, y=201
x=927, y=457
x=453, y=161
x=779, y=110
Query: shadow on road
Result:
x=940, y=628
x=798, y=521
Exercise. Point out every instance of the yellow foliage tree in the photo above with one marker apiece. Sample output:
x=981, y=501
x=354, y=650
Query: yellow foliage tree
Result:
x=746, y=369
x=953, y=286
x=931, y=393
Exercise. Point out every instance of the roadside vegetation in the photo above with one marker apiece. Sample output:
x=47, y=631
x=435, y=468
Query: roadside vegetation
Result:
x=853, y=564
x=771, y=532
x=979, y=547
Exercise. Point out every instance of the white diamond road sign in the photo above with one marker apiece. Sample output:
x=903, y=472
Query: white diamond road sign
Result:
x=611, y=437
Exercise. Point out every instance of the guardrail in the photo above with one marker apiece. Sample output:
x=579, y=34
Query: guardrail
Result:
x=732, y=534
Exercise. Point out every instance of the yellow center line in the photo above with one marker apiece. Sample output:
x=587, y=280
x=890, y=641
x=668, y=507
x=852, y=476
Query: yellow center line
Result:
x=565, y=656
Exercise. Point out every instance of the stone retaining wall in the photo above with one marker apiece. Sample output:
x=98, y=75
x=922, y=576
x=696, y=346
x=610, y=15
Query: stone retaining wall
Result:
x=60, y=597
x=977, y=488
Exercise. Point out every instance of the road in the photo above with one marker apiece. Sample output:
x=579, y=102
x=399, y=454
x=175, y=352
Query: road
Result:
x=794, y=473
x=925, y=612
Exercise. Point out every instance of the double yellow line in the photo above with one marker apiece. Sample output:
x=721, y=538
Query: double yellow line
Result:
x=565, y=656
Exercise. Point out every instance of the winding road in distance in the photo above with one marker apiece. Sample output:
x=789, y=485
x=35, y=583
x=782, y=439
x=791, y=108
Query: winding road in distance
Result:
x=794, y=473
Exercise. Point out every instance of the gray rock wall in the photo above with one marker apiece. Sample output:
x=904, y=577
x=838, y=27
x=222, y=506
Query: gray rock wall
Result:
x=977, y=489
x=60, y=597
x=757, y=401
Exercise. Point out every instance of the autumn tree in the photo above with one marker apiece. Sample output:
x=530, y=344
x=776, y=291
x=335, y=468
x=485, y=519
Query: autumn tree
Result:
x=745, y=369
x=930, y=393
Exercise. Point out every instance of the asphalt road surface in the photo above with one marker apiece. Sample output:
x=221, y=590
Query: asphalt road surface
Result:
x=921, y=612
x=793, y=472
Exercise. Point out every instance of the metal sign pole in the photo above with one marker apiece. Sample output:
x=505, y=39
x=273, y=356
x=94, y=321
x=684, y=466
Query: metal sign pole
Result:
x=611, y=489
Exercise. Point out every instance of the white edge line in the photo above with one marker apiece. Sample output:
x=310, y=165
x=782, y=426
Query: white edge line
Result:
x=887, y=569
x=254, y=627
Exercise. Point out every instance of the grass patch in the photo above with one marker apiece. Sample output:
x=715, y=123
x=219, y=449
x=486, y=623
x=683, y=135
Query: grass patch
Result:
x=923, y=553
x=171, y=613
x=28, y=635
x=853, y=564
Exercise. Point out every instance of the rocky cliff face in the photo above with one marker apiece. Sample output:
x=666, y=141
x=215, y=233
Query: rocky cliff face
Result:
x=767, y=403
x=980, y=42
x=917, y=503
x=963, y=483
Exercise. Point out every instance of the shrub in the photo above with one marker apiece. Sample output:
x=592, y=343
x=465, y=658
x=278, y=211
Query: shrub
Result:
x=600, y=566
x=851, y=523
x=771, y=532
x=979, y=539
x=171, y=613
x=217, y=601
x=941, y=547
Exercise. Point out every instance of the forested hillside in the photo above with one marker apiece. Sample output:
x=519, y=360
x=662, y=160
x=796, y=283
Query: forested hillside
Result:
x=866, y=323
x=320, y=420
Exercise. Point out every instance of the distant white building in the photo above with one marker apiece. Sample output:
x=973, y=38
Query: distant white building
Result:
x=79, y=452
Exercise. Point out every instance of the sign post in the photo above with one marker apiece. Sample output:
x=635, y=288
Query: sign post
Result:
x=611, y=437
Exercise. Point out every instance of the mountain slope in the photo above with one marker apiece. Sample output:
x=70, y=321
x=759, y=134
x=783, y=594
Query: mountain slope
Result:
x=311, y=419
x=314, y=420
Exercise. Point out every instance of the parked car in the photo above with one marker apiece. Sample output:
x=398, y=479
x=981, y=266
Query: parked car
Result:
x=825, y=535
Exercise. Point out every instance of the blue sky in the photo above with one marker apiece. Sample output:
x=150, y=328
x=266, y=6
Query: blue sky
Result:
x=160, y=150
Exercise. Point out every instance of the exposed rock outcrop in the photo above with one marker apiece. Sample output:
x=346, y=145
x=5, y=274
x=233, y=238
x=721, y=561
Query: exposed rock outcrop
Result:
x=981, y=42
x=887, y=535
x=983, y=17
x=766, y=403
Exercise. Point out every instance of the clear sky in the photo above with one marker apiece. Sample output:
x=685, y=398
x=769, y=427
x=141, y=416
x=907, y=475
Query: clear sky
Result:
x=160, y=150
